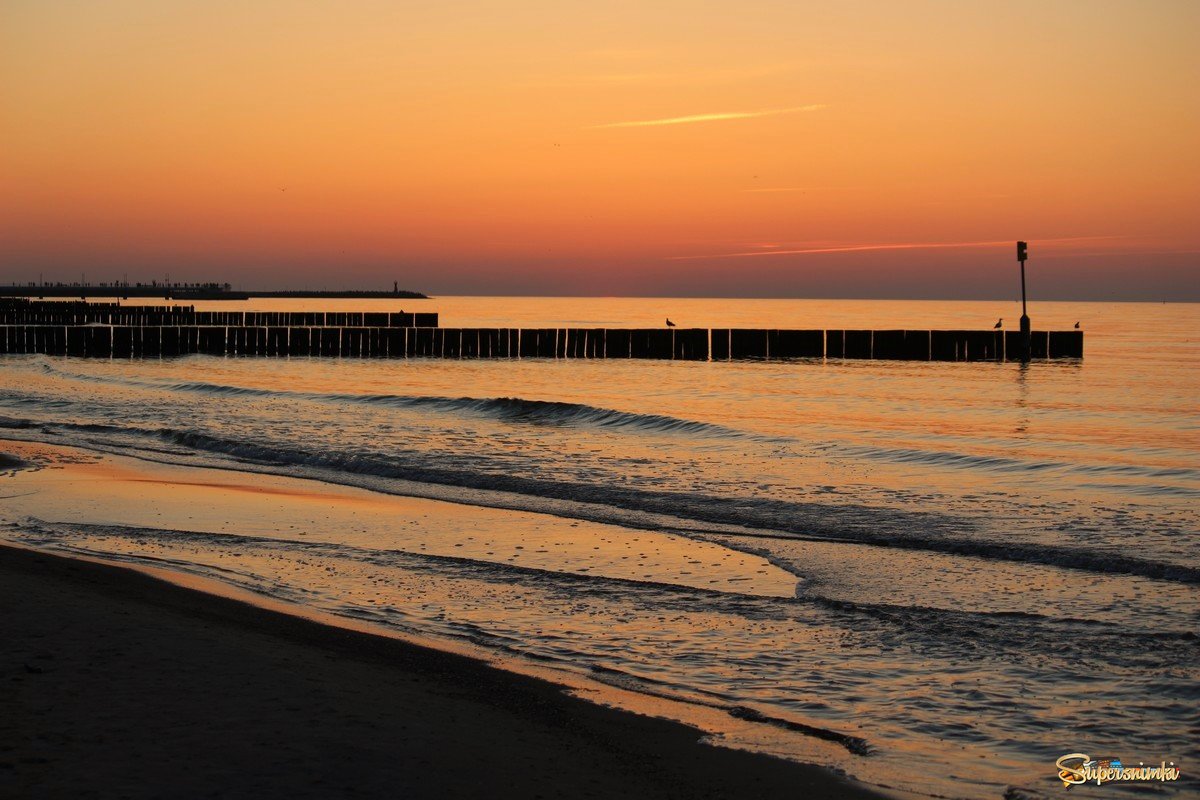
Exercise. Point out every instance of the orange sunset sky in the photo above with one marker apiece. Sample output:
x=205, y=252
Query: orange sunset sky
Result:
x=857, y=149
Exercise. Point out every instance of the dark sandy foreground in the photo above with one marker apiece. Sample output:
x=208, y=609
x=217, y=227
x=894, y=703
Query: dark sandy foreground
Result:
x=115, y=684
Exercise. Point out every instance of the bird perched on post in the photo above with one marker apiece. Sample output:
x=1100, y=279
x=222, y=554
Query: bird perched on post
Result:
x=999, y=323
x=1076, y=326
x=670, y=324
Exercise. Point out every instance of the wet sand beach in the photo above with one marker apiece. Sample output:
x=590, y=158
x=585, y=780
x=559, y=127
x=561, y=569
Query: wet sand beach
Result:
x=119, y=684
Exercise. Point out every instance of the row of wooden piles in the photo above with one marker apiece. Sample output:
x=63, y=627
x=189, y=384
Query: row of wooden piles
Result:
x=687, y=344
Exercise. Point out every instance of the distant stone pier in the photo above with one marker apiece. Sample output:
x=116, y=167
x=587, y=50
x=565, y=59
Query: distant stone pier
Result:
x=114, y=331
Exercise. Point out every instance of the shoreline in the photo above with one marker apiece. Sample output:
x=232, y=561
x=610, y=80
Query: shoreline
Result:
x=126, y=683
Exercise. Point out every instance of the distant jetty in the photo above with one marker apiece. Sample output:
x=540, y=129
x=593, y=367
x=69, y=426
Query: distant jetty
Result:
x=192, y=291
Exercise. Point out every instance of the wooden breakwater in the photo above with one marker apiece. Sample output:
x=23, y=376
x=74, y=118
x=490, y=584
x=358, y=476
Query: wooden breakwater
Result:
x=404, y=341
x=27, y=312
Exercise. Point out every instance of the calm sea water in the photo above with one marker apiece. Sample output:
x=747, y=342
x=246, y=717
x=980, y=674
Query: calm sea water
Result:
x=996, y=564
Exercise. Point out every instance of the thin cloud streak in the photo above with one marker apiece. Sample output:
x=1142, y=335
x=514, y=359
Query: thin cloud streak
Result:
x=858, y=248
x=709, y=117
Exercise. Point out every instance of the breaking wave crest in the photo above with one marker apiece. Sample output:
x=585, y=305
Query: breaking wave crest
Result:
x=507, y=409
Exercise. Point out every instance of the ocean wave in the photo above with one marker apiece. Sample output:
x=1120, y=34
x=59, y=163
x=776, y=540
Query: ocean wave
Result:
x=550, y=413
x=1088, y=629
x=995, y=463
x=661, y=510
x=517, y=410
x=1100, y=642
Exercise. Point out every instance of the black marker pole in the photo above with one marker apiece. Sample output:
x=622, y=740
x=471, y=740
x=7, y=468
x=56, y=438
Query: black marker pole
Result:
x=1022, y=254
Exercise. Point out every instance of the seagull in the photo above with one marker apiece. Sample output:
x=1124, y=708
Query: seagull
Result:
x=999, y=323
x=670, y=324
